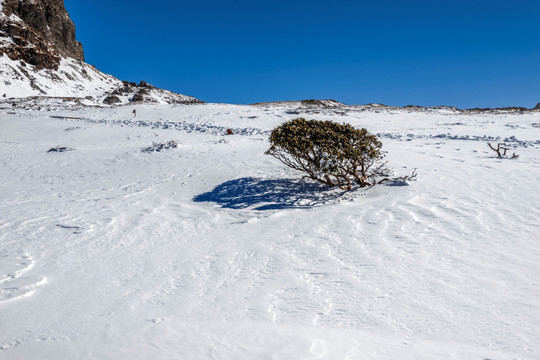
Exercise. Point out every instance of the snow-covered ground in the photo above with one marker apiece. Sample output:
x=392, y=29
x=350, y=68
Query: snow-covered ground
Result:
x=213, y=250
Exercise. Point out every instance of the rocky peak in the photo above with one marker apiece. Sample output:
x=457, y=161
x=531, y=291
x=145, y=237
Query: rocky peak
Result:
x=39, y=56
x=38, y=32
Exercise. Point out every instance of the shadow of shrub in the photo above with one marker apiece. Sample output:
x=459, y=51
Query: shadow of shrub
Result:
x=268, y=194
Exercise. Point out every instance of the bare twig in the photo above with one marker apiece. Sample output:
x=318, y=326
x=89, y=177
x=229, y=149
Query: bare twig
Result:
x=501, y=150
x=500, y=146
x=400, y=179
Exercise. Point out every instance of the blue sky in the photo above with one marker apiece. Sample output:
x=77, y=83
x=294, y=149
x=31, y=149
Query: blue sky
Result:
x=462, y=53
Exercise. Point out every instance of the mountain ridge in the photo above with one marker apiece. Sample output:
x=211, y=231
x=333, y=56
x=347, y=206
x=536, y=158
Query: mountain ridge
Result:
x=40, y=56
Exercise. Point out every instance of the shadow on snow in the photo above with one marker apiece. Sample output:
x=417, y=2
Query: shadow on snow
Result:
x=268, y=194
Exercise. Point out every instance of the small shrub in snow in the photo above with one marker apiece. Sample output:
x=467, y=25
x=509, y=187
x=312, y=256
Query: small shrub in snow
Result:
x=501, y=150
x=161, y=146
x=331, y=153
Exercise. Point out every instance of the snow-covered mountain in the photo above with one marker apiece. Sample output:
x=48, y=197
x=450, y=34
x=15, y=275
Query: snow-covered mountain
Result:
x=39, y=56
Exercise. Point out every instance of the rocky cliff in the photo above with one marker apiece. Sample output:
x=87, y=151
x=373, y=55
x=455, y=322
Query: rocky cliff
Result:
x=39, y=56
x=38, y=32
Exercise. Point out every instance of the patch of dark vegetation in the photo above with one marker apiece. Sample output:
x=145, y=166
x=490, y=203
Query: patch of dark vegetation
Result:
x=160, y=146
x=60, y=149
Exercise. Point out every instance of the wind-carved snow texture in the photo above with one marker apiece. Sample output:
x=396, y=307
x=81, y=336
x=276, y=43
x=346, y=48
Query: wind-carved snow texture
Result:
x=213, y=250
x=16, y=279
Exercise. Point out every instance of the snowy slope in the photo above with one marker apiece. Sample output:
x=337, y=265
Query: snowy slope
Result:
x=213, y=250
x=72, y=79
x=75, y=79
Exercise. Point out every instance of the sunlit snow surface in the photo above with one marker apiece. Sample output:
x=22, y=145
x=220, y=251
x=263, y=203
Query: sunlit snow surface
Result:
x=213, y=250
x=73, y=78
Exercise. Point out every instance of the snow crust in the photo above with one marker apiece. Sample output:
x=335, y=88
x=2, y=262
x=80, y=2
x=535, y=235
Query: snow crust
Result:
x=213, y=250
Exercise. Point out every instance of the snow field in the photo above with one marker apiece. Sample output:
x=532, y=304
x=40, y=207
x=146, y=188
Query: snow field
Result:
x=215, y=251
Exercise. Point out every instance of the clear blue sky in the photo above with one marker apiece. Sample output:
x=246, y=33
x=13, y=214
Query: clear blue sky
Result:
x=474, y=53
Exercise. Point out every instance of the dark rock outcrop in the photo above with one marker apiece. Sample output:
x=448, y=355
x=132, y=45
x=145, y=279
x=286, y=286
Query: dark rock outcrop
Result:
x=112, y=99
x=144, y=92
x=39, y=32
x=509, y=109
x=144, y=84
x=138, y=97
x=537, y=107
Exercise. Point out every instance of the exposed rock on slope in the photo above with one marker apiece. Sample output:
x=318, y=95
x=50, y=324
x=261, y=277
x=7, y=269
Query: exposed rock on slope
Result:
x=39, y=32
x=144, y=92
x=39, y=56
x=333, y=107
x=304, y=103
